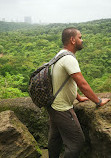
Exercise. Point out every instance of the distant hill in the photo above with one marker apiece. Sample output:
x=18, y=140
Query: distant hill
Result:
x=12, y=26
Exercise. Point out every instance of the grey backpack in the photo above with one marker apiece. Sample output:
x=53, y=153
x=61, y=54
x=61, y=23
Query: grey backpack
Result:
x=40, y=84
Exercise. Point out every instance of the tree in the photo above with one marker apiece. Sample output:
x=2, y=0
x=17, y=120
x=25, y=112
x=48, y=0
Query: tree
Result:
x=1, y=49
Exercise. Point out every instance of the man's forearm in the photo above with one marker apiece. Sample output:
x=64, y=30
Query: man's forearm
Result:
x=84, y=87
x=88, y=92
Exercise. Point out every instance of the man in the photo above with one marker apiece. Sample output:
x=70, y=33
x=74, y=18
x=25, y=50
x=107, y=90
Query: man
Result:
x=64, y=125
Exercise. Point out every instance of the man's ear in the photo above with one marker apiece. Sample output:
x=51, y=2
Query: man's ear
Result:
x=72, y=39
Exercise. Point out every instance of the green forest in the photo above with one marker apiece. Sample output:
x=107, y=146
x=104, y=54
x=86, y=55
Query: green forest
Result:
x=25, y=47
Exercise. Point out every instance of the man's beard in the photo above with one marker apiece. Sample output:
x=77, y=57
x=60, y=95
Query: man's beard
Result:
x=79, y=47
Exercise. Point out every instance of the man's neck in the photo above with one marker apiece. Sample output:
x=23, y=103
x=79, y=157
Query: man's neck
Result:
x=70, y=49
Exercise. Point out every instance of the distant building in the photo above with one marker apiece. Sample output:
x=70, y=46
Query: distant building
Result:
x=3, y=19
x=28, y=20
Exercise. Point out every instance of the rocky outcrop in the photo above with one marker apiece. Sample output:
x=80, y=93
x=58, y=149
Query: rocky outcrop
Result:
x=35, y=119
x=15, y=139
x=96, y=124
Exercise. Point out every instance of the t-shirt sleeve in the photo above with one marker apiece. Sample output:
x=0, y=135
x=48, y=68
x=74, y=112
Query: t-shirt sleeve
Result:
x=71, y=65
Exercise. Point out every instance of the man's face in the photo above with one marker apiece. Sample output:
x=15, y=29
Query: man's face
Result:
x=78, y=41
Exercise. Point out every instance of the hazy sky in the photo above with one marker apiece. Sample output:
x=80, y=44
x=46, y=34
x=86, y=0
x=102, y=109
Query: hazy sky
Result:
x=55, y=11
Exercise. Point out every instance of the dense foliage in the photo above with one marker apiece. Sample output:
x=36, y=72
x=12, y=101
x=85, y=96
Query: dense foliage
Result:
x=25, y=47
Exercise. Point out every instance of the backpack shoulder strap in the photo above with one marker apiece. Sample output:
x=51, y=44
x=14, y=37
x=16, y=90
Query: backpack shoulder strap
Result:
x=56, y=58
x=63, y=84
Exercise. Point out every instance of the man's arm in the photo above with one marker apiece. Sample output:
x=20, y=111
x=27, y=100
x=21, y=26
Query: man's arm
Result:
x=86, y=89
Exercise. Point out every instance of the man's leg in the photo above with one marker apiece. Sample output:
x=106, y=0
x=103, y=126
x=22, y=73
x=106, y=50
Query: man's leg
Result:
x=55, y=140
x=71, y=133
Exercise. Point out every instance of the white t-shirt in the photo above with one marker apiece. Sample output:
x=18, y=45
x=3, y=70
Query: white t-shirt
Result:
x=63, y=68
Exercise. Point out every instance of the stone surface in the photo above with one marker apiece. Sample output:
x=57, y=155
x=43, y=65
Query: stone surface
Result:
x=15, y=139
x=96, y=124
x=30, y=115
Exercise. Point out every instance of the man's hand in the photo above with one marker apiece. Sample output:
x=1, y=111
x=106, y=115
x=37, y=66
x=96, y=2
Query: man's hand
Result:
x=104, y=101
x=81, y=99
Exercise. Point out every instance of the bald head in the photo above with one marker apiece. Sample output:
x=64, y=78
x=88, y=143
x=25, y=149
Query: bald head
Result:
x=67, y=34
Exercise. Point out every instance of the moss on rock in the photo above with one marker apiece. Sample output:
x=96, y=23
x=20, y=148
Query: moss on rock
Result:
x=96, y=124
x=34, y=118
x=15, y=139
